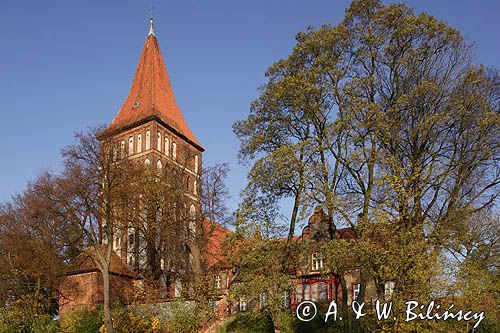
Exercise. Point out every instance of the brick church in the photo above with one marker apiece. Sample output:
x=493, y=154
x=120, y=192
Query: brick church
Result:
x=150, y=129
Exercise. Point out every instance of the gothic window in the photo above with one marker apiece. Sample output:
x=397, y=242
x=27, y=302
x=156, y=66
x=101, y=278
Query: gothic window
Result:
x=196, y=163
x=122, y=149
x=192, y=222
x=355, y=291
x=217, y=282
x=158, y=142
x=158, y=164
x=131, y=145
x=147, y=162
x=195, y=187
x=148, y=140
x=167, y=146
x=174, y=151
x=115, y=152
x=139, y=143
x=188, y=180
x=316, y=262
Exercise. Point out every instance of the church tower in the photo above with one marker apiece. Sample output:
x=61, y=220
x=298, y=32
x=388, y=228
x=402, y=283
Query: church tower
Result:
x=150, y=128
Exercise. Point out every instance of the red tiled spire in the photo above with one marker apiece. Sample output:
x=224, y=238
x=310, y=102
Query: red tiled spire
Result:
x=151, y=95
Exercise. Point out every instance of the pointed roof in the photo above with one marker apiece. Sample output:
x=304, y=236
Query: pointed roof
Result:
x=151, y=96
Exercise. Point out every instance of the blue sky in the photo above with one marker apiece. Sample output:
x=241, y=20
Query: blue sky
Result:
x=67, y=65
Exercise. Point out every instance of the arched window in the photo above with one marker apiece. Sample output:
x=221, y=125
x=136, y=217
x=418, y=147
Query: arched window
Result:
x=158, y=164
x=115, y=152
x=192, y=221
x=196, y=163
x=139, y=143
x=122, y=149
x=148, y=140
x=131, y=145
x=188, y=181
x=147, y=161
x=167, y=146
x=195, y=187
x=174, y=151
x=158, y=141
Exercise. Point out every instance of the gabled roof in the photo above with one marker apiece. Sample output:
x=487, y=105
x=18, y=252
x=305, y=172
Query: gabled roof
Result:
x=213, y=252
x=86, y=262
x=151, y=97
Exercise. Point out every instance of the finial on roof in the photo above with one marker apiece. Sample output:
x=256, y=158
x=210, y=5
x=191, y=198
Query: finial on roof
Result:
x=151, y=30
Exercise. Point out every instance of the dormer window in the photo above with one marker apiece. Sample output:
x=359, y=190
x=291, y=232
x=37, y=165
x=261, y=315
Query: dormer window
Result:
x=316, y=262
x=355, y=290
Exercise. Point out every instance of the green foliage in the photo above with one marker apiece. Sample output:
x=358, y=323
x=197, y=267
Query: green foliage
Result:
x=182, y=319
x=250, y=323
x=81, y=321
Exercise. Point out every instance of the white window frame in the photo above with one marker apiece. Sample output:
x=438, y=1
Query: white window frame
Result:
x=316, y=262
x=356, y=288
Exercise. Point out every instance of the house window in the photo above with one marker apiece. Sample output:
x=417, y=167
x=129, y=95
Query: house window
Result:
x=131, y=145
x=315, y=292
x=115, y=152
x=323, y=292
x=158, y=142
x=148, y=140
x=139, y=143
x=243, y=304
x=298, y=293
x=122, y=149
x=262, y=300
x=174, y=151
x=355, y=291
x=217, y=282
x=316, y=262
x=389, y=289
x=167, y=147
x=307, y=292
x=196, y=163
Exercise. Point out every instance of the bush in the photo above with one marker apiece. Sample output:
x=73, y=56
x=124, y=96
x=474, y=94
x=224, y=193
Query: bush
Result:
x=183, y=318
x=81, y=321
x=250, y=323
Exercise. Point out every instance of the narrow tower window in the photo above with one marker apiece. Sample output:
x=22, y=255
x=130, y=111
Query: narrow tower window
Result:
x=131, y=145
x=196, y=163
x=139, y=143
x=158, y=164
x=122, y=149
x=148, y=140
x=167, y=146
x=174, y=151
x=158, y=142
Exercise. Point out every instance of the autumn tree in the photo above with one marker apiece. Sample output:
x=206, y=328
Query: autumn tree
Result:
x=387, y=122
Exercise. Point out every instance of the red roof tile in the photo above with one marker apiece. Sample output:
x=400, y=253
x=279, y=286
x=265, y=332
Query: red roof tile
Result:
x=151, y=96
x=213, y=249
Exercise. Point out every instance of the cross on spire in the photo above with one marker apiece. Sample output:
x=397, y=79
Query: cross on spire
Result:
x=151, y=30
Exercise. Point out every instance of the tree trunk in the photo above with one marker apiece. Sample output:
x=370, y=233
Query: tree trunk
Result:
x=108, y=320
